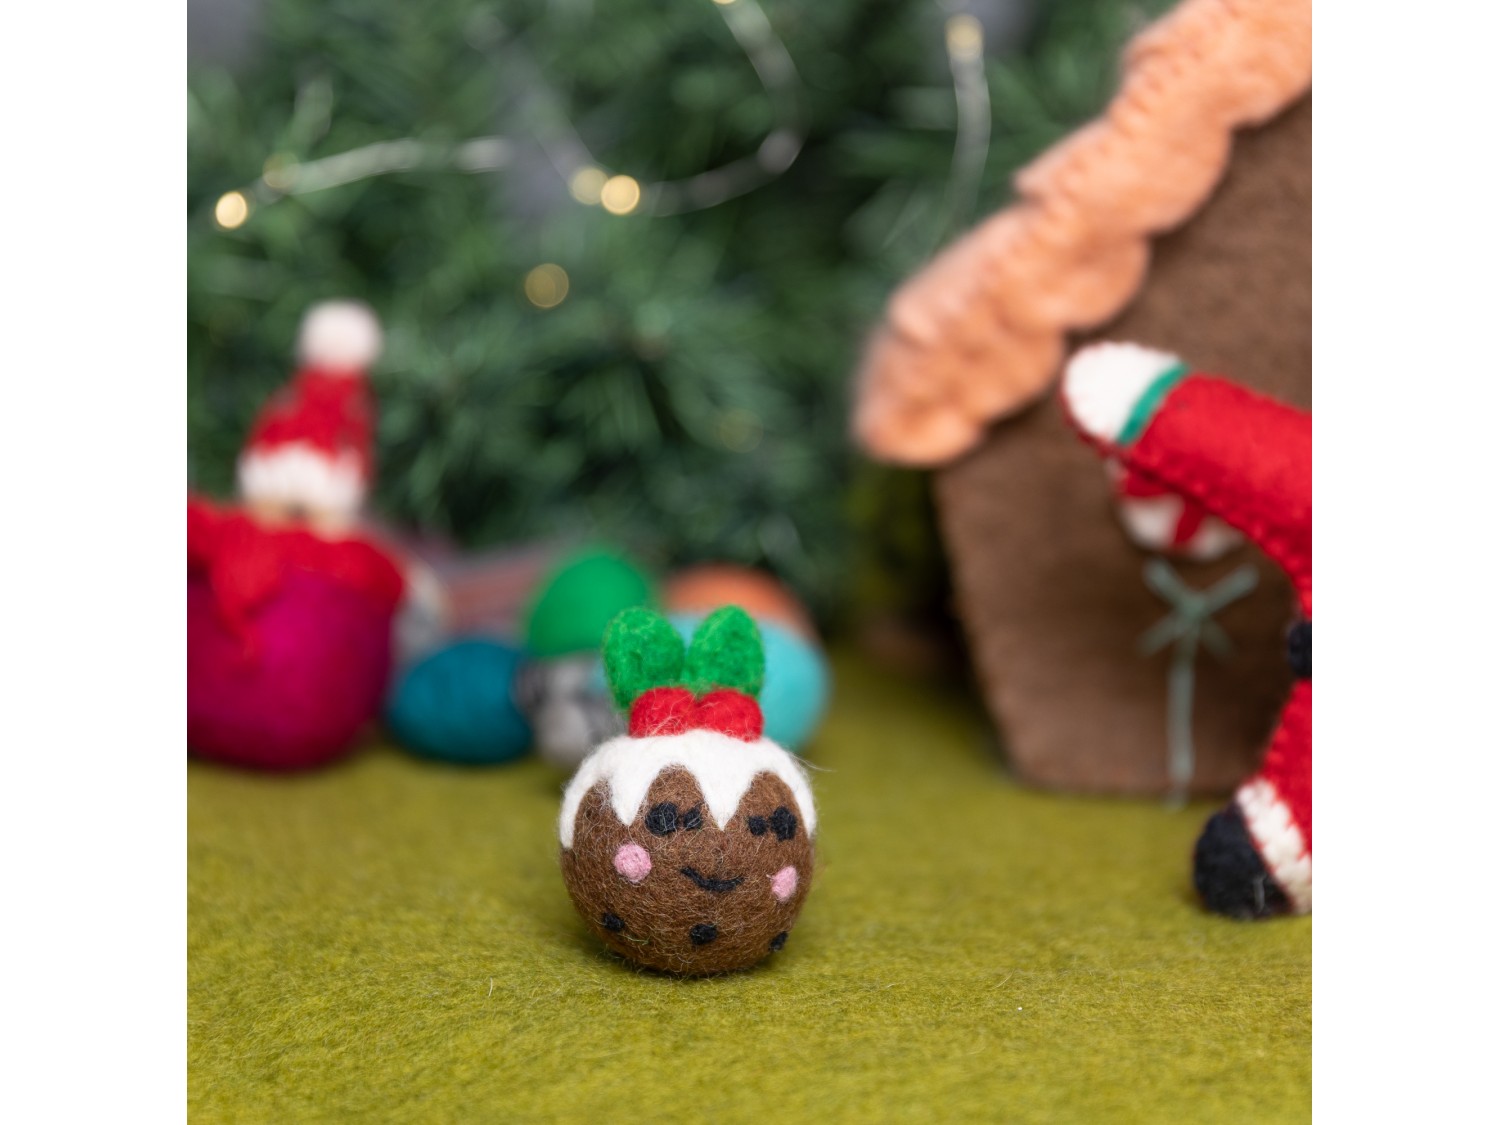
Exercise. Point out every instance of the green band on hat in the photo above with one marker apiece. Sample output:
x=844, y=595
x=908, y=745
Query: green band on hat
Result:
x=1147, y=404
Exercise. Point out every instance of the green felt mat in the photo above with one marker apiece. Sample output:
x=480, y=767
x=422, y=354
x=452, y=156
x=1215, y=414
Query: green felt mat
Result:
x=390, y=940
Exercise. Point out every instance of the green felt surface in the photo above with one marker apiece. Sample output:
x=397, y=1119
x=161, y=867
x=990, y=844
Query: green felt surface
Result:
x=389, y=940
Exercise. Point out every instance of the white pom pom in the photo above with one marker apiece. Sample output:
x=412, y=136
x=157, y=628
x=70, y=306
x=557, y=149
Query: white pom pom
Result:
x=1103, y=383
x=339, y=335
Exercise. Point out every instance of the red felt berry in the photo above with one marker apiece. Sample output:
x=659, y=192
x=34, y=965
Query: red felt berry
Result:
x=662, y=710
x=730, y=712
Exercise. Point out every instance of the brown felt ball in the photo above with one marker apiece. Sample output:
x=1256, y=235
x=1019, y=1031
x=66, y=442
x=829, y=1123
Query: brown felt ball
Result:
x=690, y=854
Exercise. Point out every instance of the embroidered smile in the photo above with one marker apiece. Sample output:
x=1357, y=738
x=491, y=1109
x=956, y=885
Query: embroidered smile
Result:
x=717, y=886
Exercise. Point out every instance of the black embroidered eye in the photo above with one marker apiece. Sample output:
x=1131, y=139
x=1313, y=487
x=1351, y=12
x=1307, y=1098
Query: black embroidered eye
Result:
x=612, y=922
x=784, y=823
x=703, y=933
x=757, y=825
x=692, y=819
x=662, y=819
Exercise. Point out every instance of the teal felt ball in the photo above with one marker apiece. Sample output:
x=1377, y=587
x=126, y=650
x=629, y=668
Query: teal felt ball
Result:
x=457, y=705
x=797, y=682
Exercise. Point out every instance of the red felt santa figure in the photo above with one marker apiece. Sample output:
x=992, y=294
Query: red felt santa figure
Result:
x=1246, y=459
x=310, y=455
x=293, y=606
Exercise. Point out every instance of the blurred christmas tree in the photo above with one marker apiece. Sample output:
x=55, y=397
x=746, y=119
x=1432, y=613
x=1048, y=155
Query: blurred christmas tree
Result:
x=625, y=252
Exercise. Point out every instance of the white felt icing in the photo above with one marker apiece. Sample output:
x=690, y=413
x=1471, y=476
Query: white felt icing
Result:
x=297, y=473
x=1103, y=382
x=723, y=767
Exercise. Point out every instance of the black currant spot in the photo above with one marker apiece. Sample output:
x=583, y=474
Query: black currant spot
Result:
x=784, y=823
x=778, y=941
x=692, y=819
x=757, y=825
x=612, y=922
x=662, y=819
x=703, y=933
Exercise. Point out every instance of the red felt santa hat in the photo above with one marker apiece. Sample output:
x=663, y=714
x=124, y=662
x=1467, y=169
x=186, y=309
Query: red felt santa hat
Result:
x=312, y=445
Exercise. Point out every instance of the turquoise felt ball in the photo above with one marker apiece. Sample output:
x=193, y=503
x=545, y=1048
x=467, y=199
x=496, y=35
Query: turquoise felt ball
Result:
x=795, y=693
x=457, y=705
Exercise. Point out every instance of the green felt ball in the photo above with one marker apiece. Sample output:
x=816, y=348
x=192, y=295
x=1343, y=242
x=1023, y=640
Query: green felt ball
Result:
x=726, y=653
x=579, y=599
x=641, y=651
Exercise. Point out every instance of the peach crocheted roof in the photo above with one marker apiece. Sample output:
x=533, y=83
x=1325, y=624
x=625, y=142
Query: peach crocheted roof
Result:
x=980, y=332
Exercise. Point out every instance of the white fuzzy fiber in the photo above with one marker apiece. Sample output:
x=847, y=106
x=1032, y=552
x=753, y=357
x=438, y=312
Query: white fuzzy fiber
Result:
x=723, y=767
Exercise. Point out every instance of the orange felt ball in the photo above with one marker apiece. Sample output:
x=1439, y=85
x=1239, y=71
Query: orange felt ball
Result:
x=702, y=589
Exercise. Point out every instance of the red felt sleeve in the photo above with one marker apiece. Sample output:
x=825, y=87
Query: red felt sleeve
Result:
x=203, y=523
x=1246, y=458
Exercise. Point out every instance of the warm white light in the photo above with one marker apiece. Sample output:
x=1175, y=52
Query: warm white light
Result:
x=620, y=195
x=547, y=285
x=587, y=184
x=231, y=210
x=965, y=37
x=724, y=3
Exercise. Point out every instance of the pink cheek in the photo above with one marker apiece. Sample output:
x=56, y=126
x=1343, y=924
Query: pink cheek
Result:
x=632, y=862
x=784, y=883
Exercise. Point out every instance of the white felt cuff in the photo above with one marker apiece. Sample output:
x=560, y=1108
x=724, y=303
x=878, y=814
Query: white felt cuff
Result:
x=1279, y=840
x=302, y=475
x=1103, y=383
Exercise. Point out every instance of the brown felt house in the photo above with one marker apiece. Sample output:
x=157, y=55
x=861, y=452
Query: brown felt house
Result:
x=1181, y=220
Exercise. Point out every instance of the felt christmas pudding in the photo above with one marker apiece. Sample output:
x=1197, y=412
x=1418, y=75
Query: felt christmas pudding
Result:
x=289, y=612
x=1247, y=459
x=561, y=688
x=687, y=843
x=1181, y=216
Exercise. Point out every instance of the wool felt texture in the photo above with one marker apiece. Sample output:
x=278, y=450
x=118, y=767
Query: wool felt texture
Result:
x=711, y=685
x=981, y=331
x=699, y=590
x=388, y=940
x=676, y=710
x=641, y=651
x=725, y=652
x=694, y=746
x=723, y=768
x=458, y=704
x=1156, y=520
x=312, y=446
x=289, y=640
x=310, y=687
x=794, y=694
x=710, y=899
x=1048, y=587
x=327, y=410
x=244, y=561
x=578, y=599
x=1248, y=459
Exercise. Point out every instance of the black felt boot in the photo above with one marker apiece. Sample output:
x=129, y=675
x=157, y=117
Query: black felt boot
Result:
x=1229, y=874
